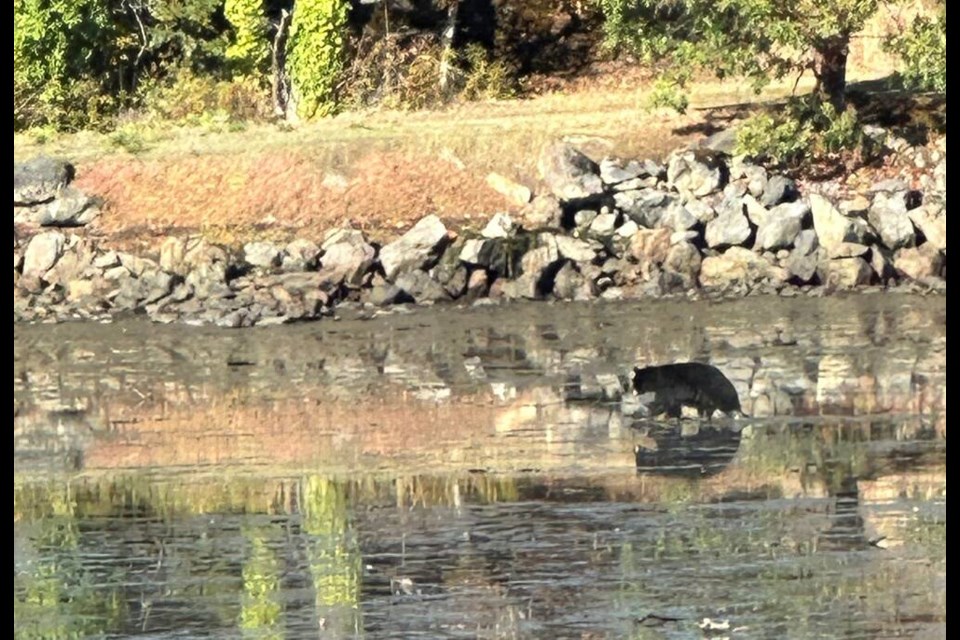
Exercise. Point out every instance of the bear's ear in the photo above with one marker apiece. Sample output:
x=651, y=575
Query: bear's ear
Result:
x=636, y=449
x=633, y=374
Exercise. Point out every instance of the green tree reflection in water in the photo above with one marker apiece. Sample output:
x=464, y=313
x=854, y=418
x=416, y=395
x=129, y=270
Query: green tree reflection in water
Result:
x=334, y=557
x=53, y=597
x=260, y=612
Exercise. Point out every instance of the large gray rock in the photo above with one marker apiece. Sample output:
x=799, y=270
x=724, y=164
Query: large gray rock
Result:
x=846, y=273
x=569, y=174
x=416, y=249
x=644, y=206
x=755, y=212
x=543, y=212
x=778, y=189
x=421, y=287
x=75, y=263
x=262, y=255
x=753, y=176
x=300, y=254
x=613, y=171
x=40, y=180
x=681, y=267
x=782, y=225
x=730, y=228
x=539, y=266
x=348, y=261
x=918, y=263
x=494, y=254
x=604, y=225
x=568, y=282
x=699, y=172
x=803, y=261
x=930, y=218
x=42, y=253
x=738, y=267
x=888, y=215
x=678, y=217
x=576, y=249
x=650, y=247
x=450, y=271
x=501, y=225
x=71, y=208
x=834, y=229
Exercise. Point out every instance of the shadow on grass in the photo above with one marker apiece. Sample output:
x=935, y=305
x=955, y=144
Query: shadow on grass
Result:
x=884, y=102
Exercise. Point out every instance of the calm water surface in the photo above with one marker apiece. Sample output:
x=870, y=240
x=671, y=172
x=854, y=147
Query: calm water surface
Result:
x=479, y=473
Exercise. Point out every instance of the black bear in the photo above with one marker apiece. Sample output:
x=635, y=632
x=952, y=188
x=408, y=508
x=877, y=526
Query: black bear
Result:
x=691, y=384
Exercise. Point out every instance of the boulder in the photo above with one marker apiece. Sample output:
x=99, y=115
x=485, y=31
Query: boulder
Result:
x=261, y=255
x=730, y=228
x=888, y=215
x=40, y=180
x=300, y=255
x=778, y=189
x=918, y=263
x=347, y=261
x=846, y=273
x=418, y=248
x=501, y=225
x=543, y=212
x=834, y=229
x=782, y=225
x=738, y=266
x=42, y=253
x=930, y=218
x=569, y=174
x=698, y=172
x=421, y=287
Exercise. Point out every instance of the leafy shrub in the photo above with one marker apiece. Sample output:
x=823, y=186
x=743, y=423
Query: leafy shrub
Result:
x=806, y=129
x=924, y=51
x=184, y=96
x=485, y=78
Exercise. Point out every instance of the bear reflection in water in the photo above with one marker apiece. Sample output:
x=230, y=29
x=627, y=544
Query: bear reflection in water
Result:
x=692, y=448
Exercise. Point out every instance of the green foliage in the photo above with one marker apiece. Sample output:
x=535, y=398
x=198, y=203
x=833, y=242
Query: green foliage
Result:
x=185, y=97
x=60, y=49
x=260, y=615
x=924, y=52
x=759, y=40
x=316, y=54
x=248, y=53
x=129, y=138
x=806, y=129
x=485, y=78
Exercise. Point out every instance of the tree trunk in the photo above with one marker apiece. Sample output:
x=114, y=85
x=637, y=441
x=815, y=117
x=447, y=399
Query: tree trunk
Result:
x=448, y=54
x=280, y=83
x=830, y=70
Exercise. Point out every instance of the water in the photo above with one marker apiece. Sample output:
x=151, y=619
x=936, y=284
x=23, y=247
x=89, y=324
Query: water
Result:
x=475, y=473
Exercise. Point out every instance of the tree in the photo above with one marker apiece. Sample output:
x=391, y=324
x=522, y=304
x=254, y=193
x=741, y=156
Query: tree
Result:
x=316, y=55
x=757, y=39
x=923, y=48
x=249, y=51
x=61, y=50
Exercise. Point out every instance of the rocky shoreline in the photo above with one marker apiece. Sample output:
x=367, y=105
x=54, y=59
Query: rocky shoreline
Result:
x=701, y=224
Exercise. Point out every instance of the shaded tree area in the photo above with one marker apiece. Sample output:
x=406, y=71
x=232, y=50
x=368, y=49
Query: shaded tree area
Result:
x=94, y=63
